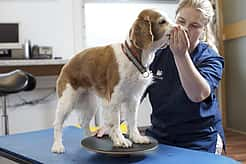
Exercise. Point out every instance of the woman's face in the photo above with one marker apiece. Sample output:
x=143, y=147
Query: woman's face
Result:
x=193, y=22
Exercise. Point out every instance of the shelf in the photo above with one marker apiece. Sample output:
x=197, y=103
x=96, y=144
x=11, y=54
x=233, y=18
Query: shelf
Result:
x=37, y=67
x=32, y=62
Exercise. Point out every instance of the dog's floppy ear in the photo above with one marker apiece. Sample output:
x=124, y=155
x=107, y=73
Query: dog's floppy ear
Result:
x=141, y=33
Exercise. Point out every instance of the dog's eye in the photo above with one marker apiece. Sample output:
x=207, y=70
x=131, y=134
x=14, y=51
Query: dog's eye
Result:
x=162, y=21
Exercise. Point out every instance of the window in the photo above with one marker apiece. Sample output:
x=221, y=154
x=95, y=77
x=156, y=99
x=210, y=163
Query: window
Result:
x=107, y=23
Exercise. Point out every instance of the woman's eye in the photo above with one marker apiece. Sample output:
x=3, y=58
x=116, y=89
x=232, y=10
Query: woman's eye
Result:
x=195, y=26
x=162, y=21
x=181, y=22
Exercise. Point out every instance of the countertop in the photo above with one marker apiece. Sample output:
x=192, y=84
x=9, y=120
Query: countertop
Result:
x=31, y=62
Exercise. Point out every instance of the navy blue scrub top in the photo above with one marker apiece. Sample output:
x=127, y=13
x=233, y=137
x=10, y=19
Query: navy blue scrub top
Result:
x=176, y=120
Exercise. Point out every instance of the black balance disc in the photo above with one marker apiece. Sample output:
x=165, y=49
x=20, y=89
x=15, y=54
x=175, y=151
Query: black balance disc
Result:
x=104, y=145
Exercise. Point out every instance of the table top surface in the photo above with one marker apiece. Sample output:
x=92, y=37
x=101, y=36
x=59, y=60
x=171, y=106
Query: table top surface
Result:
x=35, y=147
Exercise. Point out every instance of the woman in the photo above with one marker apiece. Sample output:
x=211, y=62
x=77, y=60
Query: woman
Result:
x=185, y=111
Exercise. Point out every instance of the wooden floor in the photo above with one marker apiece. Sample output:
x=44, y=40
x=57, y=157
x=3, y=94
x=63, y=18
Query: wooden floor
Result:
x=236, y=146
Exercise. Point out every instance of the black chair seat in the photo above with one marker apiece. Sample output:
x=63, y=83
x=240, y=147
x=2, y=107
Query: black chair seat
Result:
x=16, y=81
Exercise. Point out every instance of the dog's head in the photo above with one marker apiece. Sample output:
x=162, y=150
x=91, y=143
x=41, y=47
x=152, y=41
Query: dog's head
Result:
x=151, y=30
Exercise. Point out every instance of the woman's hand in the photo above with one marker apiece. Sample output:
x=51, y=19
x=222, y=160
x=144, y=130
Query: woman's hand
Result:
x=179, y=42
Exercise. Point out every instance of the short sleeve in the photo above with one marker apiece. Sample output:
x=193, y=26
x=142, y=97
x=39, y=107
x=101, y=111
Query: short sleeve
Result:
x=211, y=67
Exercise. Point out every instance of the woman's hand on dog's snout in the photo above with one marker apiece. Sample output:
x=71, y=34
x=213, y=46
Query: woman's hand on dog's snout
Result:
x=179, y=41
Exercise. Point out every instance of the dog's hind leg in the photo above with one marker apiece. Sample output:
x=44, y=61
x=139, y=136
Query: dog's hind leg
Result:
x=88, y=105
x=64, y=108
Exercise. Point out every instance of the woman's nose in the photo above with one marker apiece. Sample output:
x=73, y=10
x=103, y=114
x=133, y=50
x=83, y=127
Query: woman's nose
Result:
x=185, y=28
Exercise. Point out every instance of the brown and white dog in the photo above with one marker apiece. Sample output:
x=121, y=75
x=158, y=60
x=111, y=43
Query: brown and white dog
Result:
x=117, y=73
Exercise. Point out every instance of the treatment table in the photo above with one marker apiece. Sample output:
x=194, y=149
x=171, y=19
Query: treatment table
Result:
x=35, y=147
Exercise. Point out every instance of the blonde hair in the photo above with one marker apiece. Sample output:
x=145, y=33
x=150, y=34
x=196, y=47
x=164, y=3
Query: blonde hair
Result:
x=207, y=11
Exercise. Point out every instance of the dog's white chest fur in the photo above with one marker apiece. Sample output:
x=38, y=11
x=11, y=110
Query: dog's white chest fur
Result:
x=132, y=83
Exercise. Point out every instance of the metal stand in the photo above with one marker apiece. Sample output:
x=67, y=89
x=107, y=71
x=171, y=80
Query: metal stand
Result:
x=5, y=121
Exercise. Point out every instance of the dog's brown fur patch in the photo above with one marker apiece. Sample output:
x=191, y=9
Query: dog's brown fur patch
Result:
x=142, y=29
x=154, y=18
x=95, y=68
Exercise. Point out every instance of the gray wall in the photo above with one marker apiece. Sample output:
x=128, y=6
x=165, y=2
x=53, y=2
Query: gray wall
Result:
x=235, y=83
x=234, y=10
x=235, y=63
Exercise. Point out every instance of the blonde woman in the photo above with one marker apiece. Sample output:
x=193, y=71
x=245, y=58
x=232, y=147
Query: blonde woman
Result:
x=185, y=111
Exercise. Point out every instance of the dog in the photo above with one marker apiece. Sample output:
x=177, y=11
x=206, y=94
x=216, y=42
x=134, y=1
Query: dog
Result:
x=111, y=76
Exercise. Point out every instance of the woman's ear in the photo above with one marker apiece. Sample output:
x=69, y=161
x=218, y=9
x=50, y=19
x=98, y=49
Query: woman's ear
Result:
x=203, y=36
x=141, y=33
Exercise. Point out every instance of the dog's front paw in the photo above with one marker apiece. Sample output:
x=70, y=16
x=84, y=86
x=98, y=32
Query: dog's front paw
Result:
x=119, y=140
x=126, y=143
x=58, y=148
x=137, y=138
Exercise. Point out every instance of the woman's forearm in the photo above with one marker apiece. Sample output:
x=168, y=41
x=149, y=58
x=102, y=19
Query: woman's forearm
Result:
x=195, y=86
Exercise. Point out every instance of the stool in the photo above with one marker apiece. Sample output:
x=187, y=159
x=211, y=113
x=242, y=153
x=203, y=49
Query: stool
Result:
x=13, y=82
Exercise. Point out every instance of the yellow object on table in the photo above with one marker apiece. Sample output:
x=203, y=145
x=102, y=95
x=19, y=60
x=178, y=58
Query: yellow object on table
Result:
x=123, y=128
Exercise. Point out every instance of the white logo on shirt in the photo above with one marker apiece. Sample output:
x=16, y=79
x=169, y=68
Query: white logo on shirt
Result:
x=159, y=73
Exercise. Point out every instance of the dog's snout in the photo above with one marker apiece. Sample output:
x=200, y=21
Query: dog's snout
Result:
x=169, y=29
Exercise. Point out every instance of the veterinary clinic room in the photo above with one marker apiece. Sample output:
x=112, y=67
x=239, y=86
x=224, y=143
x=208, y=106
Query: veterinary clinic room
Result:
x=122, y=81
